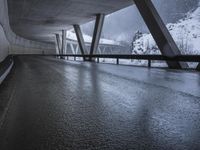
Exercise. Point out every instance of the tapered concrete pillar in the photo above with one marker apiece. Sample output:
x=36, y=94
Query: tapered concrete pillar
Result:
x=159, y=32
x=97, y=33
x=80, y=39
x=64, y=42
x=58, y=43
x=198, y=67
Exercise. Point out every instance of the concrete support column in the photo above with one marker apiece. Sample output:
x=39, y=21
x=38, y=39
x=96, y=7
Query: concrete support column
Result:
x=97, y=33
x=66, y=47
x=80, y=38
x=58, y=43
x=198, y=67
x=72, y=48
x=64, y=42
x=159, y=32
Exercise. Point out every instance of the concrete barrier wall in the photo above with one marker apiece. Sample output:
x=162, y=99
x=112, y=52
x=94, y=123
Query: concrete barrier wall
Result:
x=4, y=45
x=10, y=43
x=15, y=49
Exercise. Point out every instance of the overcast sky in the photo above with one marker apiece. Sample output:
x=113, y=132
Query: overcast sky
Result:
x=123, y=24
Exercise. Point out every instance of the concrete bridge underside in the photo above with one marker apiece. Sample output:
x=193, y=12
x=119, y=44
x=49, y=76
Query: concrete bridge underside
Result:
x=55, y=104
x=39, y=20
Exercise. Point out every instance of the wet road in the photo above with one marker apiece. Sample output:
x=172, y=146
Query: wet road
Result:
x=58, y=105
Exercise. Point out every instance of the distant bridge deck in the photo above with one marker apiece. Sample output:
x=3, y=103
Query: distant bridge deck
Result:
x=58, y=104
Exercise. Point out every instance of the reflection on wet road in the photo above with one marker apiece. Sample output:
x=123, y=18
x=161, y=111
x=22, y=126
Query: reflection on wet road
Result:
x=75, y=105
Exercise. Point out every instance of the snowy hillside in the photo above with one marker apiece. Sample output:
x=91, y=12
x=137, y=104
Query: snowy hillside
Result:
x=72, y=36
x=186, y=33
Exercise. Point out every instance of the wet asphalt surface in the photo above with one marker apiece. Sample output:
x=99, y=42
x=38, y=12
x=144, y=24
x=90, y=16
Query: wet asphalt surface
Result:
x=60, y=105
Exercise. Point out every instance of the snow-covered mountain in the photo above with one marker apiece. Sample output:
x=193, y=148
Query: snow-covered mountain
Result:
x=186, y=33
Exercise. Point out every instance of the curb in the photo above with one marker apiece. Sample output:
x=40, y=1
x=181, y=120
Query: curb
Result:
x=4, y=75
x=2, y=78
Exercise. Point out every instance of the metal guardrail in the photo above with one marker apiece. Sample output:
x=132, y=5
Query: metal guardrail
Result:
x=149, y=58
x=5, y=67
x=183, y=58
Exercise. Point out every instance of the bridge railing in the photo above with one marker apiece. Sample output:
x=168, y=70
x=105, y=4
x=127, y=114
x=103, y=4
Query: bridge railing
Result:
x=73, y=47
x=149, y=58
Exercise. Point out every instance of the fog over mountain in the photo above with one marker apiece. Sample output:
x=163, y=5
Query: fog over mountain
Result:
x=122, y=25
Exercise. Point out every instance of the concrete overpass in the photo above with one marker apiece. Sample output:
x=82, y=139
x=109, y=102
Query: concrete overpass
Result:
x=51, y=103
x=39, y=20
